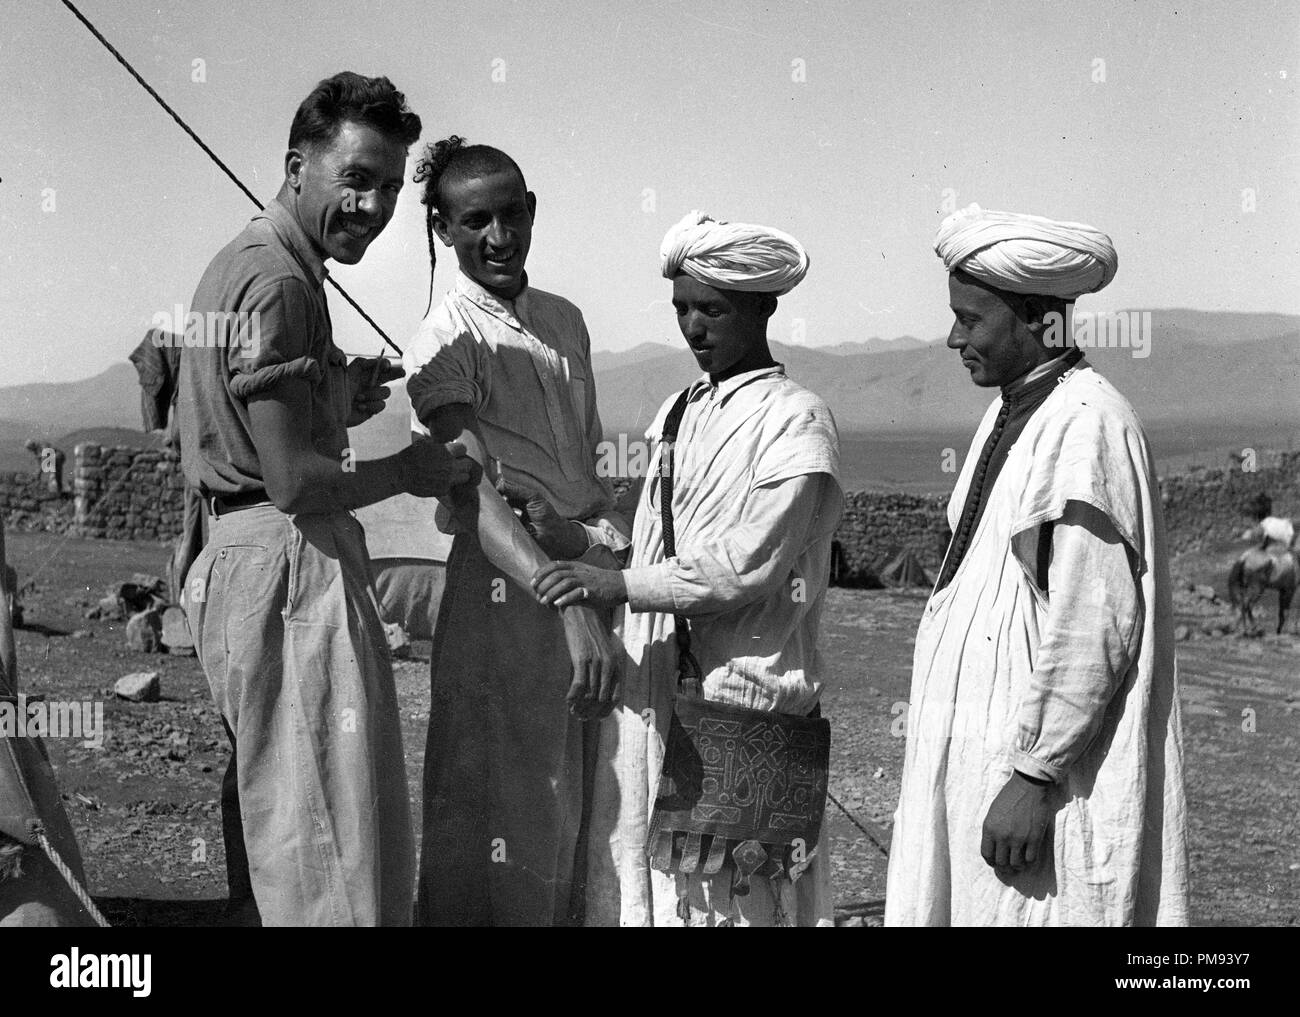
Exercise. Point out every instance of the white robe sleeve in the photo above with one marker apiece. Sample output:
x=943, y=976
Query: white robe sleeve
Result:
x=735, y=567
x=1089, y=640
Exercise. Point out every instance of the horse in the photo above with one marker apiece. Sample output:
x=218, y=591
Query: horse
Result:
x=1258, y=570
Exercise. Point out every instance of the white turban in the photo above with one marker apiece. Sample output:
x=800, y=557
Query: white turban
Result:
x=733, y=255
x=1027, y=253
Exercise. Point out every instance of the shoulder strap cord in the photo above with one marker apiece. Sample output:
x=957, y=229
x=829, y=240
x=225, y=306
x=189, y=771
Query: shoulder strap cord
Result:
x=688, y=668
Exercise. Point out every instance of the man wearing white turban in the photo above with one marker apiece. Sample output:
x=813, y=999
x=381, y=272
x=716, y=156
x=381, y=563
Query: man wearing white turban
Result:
x=733, y=255
x=755, y=498
x=1043, y=776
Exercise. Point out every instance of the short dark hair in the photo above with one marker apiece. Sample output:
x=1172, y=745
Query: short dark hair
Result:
x=454, y=158
x=349, y=97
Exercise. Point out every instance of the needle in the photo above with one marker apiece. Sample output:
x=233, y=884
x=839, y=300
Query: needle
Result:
x=379, y=363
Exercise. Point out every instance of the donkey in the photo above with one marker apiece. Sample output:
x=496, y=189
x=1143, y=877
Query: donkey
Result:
x=1258, y=570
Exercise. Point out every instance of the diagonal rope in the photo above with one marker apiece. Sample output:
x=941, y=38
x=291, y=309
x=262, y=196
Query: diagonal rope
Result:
x=212, y=155
x=68, y=877
x=859, y=824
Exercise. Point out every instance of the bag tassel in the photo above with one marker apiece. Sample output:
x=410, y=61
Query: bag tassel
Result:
x=748, y=856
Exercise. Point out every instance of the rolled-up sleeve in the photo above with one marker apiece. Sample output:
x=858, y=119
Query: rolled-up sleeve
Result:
x=443, y=367
x=1089, y=641
x=608, y=528
x=273, y=345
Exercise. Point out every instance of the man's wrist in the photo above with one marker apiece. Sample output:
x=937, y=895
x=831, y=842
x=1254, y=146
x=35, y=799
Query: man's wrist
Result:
x=579, y=539
x=401, y=470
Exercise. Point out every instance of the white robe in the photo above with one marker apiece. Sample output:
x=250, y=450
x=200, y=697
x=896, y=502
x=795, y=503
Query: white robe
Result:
x=983, y=700
x=756, y=499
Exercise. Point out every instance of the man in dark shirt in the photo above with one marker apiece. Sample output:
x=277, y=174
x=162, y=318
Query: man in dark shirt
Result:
x=280, y=602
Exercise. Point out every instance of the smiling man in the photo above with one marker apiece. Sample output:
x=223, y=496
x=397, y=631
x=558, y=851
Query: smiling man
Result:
x=1042, y=782
x=314, y=805
x=505, y=368
x=755, y=499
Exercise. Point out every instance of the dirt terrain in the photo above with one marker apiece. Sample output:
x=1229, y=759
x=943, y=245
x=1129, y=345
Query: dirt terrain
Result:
x=145, y=805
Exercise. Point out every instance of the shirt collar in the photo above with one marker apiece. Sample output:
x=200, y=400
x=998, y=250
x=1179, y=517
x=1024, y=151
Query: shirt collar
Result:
x=1043, y=376
x=292, y=236
x=509, y=311
x=727, y=386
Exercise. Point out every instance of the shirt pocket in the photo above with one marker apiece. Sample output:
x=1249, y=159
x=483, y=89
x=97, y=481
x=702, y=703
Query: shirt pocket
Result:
x=334, y=385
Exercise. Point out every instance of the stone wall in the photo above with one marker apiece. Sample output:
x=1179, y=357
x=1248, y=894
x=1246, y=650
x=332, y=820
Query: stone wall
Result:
x=127, y=493
x=136, y=494
x=1206, y=506
x=27, y=503
x=877, y=526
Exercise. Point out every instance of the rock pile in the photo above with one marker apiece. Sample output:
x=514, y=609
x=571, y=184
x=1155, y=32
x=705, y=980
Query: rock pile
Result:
x=153, y=625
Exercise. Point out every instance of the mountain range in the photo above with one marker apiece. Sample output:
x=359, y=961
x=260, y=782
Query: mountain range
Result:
x=1193, y=368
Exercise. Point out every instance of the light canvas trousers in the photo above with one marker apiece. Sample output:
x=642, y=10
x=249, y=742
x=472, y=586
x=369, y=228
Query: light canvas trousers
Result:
x=286, y=626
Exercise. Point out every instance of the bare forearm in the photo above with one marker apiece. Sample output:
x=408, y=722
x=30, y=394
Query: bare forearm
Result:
x=320, y=484
x=505, y=542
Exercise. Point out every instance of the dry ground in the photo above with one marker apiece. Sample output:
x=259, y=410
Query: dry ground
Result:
x=145, y=806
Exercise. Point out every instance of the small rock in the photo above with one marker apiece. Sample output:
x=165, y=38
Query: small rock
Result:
x=82, y=634
x=111, y=608
x=880, y=772
x=144, y=632
x=176, y=632
x=1206, y=592
x=91, y=613
x=1182, y=633
x=398, y=643
x=139, y=687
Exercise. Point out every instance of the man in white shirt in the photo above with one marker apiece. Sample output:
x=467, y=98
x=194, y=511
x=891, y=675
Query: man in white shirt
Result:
x=755, y=500
x=1042, y=782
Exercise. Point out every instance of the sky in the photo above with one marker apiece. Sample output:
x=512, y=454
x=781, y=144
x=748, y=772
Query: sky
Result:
x=856, y=127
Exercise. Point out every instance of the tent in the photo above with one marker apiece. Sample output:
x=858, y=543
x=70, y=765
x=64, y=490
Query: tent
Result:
x=408, y=552
x=904, y=569
x=33, y=892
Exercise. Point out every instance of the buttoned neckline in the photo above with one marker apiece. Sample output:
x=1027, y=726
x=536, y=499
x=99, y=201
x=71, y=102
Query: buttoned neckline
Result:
x=512, y=312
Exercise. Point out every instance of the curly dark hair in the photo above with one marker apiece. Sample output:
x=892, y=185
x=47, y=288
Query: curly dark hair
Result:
x=453, y=158
x=349, y=97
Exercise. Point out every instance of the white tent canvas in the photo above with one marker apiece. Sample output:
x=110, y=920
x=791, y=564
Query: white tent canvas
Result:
x=400, y=527
x=408, y=552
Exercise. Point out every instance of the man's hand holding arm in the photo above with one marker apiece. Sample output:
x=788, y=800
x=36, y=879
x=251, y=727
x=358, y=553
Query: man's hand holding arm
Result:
x=596, y=656
x=720, y=574
x=299, y=479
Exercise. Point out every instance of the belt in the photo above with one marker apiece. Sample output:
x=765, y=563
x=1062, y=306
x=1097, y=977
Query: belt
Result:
x=221, y=504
